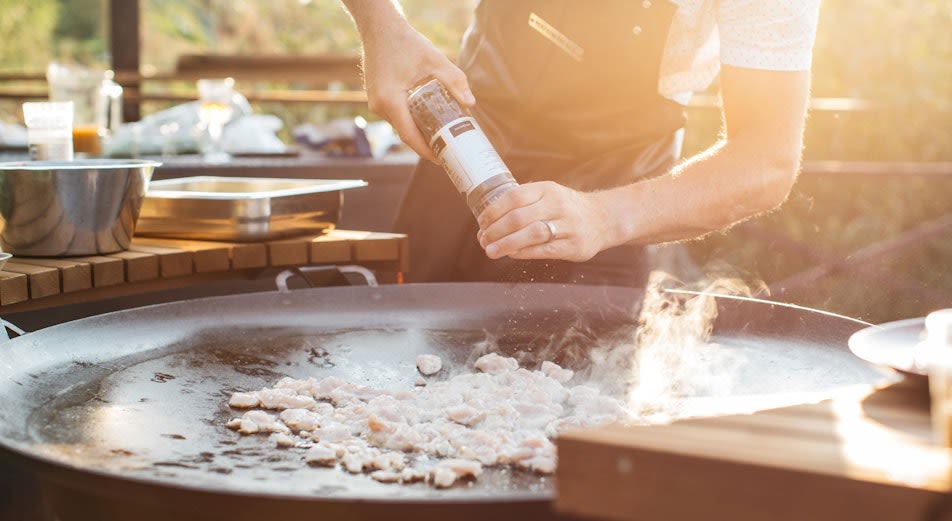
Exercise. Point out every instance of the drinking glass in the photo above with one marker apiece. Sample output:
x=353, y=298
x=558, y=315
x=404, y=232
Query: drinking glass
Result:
x=214, y=110
x=49, y=129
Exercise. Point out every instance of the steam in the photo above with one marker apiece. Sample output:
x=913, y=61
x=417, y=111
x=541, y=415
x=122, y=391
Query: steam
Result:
x=672, y=359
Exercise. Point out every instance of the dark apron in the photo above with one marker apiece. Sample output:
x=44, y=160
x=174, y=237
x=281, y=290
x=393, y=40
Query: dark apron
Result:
x=567, y=91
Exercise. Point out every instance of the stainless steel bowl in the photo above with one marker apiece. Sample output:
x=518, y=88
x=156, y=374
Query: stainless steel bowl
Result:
x=64, y=208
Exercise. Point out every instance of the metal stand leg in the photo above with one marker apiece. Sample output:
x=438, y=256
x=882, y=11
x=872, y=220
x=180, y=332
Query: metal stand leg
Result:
x=4, y=335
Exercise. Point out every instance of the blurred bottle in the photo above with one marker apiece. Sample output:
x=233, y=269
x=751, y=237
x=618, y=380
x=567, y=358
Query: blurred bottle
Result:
x=97, y=102
x=463, y=149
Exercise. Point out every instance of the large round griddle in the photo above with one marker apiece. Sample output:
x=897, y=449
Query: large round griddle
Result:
x=122, y=416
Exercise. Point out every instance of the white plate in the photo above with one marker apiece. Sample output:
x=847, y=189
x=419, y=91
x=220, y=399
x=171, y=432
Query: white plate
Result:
x=891, y=344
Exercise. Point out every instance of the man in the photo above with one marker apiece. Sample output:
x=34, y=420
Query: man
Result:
x=584, y=102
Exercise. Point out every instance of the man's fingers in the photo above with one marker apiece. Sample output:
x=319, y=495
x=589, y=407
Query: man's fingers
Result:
x=399, y=117
x=519, y=197
x=534, y=234
x=455, y=81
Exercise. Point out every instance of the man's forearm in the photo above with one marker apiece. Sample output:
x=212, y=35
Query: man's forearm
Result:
x=749, y=172
x=729, y=182
x=375, y=17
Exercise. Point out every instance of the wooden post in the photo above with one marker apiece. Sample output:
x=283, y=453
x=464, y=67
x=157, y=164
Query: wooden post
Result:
x=124, y=47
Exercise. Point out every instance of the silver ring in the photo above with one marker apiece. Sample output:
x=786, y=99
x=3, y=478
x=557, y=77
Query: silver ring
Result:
x=553, y=231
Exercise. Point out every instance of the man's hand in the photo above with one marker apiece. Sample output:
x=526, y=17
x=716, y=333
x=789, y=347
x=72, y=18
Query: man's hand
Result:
x=515, y=224
x=396, y=58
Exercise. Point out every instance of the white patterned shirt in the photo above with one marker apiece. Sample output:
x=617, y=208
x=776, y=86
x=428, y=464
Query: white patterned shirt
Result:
x=776, y=35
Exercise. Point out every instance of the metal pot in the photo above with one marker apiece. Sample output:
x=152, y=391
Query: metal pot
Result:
x=121, y=416
x=63, y=208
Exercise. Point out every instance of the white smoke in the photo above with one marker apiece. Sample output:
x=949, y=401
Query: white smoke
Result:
x=673, y=358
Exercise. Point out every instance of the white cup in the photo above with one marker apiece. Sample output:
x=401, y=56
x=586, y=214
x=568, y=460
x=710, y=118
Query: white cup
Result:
x=49, y=130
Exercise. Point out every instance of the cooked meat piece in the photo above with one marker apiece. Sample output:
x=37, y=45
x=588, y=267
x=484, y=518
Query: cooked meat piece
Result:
x=244, y=400
x=500, y=415
x=495, y=364
x=300, y=419
x=282, y=440
x=429, y=364
x=260, y=421
x=322, y=455
x=556, y=372
x=446, y=472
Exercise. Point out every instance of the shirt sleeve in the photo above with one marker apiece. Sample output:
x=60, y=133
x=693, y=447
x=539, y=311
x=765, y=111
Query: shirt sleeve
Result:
x=775, y=35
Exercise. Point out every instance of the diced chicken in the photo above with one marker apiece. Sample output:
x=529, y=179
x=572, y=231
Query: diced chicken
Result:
x=445, y=473
x=376, y=424
x=411, y=475
x=355, y=461
x=323, y=389
x=331, y=433
x=495, y=364
x=321, y=455
x=386, y=476
x=390, y=461
x=260, y=421
x=429, y=364
x=543, y=464
x=284, y=399
x=465, y=414
x=500, y=415
x=282, y=440
x=538, y=443
x=244, y=400
x=556, y=372
x=443, y=477
x=298, y=386
x=300, y=419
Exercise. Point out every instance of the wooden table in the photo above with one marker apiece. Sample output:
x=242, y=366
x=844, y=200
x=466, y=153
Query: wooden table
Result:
x=863, y=455
x=153, y=264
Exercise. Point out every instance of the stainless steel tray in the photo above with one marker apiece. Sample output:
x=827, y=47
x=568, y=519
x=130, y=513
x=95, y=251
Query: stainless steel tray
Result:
x=241, y=208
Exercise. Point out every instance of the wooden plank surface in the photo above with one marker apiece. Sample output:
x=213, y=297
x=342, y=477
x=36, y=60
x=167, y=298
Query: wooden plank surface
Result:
x=862, y=455
x=206, y=256
x=287, y=253
x=330, y=248
x=107, y=271
x=150, y=261
x=74, y=275
x=139, y=265
x=43, y=280
x=173, y=262
x=250, y=255
x=13, y=288
x=360, y=247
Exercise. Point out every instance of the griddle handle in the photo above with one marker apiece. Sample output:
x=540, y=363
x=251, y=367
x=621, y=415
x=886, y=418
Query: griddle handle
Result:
x=4, y=334
x=323, y=276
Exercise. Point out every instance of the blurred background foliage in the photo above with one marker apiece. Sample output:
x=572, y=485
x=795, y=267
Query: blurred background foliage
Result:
x=894, y=55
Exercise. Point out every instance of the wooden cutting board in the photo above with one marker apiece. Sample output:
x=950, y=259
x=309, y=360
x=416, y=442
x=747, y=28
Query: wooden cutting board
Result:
x=863, y=455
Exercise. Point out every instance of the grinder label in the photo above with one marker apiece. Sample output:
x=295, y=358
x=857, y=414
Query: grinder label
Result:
x=466, y=154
